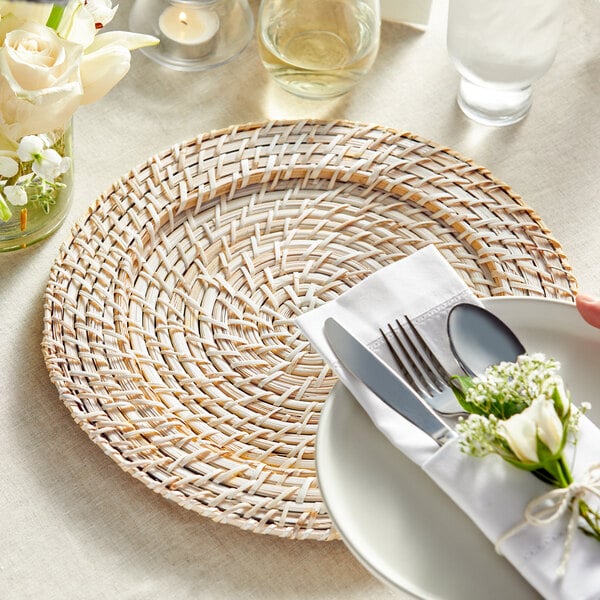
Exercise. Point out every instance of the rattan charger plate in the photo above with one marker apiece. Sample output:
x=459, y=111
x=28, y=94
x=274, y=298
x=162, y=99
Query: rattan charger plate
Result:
x=169, y=314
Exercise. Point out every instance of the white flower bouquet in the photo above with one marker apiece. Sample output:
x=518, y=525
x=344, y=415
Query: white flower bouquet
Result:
x=53, y=59
x=522, y=412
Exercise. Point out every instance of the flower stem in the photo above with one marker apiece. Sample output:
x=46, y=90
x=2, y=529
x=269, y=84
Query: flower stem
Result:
x=55, y=16
x=563, y=472
x=592, y=518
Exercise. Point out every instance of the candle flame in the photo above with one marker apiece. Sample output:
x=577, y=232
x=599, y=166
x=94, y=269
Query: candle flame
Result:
x=183, y=18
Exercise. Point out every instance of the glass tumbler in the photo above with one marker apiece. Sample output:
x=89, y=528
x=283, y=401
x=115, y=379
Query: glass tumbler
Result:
x=318, y=48
x=500, y=48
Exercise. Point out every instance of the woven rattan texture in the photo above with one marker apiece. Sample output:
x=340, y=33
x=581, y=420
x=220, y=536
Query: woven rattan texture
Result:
x=169, y=314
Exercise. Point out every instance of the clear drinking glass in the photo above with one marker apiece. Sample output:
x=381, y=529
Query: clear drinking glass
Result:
x=500, y=48
x=318, y=48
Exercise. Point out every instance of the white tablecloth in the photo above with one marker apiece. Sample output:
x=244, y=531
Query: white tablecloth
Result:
x=73, y=525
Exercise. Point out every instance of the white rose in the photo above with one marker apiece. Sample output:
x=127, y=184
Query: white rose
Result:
x=537, y=420
x=40, y=86
x=26, y=11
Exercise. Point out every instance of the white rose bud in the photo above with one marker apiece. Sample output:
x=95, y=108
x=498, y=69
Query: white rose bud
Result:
x=520, y=433
x=522, y=430
x=40, y=88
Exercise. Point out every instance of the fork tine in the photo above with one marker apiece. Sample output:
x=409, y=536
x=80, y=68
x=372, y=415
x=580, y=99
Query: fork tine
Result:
x=421, y=368
x=435, y=364
x=403, y=357
x=422, y=350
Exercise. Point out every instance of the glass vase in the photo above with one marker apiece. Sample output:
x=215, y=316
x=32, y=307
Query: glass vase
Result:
x=44, y=204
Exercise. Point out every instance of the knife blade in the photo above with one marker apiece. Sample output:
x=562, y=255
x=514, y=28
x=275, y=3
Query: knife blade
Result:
x=381, y=380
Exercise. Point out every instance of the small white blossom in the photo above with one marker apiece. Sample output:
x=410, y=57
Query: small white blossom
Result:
x=50, y=165
x=30, y=147
x=47, y=163
x=507, y=388
x=8, y=166
x=16, y=195
x=478, y=434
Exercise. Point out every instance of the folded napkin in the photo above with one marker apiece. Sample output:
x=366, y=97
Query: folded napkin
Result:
x=491, y=492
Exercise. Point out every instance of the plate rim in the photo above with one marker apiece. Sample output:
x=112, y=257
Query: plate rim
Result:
x=326, y=418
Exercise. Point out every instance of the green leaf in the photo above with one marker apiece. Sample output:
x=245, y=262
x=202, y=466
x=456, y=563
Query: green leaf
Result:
x=545, y=456
x=460, y=386
x=521, y=465
x=506, y=409
x=544, y=476
x=5, y=212
x=55, y=16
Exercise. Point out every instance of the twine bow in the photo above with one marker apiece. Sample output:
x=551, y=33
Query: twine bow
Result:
x=548, y=507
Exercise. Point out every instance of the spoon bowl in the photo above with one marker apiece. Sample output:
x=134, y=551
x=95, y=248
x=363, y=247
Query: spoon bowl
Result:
x=479, y=338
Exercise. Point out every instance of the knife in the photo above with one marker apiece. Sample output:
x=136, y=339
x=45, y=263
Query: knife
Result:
x=381, y=380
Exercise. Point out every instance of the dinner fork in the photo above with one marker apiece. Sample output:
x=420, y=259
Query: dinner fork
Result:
x=421, y=368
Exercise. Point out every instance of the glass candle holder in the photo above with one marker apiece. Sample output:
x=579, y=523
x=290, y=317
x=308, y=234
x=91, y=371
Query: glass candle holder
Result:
x=194, y=34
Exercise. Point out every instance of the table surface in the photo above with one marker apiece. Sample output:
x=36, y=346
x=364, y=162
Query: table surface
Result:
x=73, y=524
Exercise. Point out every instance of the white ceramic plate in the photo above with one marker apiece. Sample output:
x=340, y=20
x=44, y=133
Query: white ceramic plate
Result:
x=394, y=519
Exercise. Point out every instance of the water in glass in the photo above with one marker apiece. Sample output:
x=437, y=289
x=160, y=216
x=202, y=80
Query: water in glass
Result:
x=500, y=47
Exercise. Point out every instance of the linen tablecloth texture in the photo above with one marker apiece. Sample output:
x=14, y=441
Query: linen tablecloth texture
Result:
x=493, y=493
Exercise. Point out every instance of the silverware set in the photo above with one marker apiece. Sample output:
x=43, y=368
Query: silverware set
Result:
x=421, y=390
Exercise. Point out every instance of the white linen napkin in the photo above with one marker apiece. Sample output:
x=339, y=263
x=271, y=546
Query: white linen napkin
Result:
x=493, y=493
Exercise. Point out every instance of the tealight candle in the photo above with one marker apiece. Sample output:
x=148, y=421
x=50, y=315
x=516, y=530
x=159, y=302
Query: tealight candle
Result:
x=188, y=32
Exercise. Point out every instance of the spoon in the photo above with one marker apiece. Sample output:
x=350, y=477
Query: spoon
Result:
x=478, y=338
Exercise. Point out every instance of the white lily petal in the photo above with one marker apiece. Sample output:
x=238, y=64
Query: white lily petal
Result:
x=128, y=40
x=16, y=195
x=9, y=167
x=102, y=70
x=77, y=24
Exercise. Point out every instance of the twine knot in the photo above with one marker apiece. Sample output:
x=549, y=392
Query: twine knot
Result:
x=549, y=507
